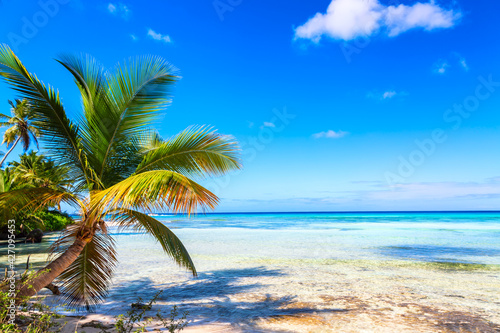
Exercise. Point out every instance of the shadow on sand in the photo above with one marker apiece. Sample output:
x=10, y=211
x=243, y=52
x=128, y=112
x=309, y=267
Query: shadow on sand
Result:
x=222, y=296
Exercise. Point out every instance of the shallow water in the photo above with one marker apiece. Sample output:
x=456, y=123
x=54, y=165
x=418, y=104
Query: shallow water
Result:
x=254, y=266
x=448, y=237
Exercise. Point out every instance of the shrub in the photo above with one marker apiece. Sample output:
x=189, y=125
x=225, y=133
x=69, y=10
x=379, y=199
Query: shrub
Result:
x=135, y=321
x=54, y=220
x=30, y=318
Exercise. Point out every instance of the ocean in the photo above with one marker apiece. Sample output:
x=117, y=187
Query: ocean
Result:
x=462, y=237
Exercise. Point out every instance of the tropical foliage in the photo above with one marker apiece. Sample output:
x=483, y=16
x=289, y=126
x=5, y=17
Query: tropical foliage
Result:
x=36, y=317
x=119, y=166
x=34, y=170
x=21, y=127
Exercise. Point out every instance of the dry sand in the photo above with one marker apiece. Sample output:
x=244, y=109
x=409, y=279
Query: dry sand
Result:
x=351, y=296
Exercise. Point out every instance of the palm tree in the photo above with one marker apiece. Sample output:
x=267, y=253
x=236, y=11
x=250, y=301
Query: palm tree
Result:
x=36, y=170
x=20, y=126
x=120, y=167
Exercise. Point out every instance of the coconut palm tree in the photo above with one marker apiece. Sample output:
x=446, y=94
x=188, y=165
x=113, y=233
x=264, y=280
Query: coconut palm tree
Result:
x=121, y=168
x=20, y=126
x=35, y=170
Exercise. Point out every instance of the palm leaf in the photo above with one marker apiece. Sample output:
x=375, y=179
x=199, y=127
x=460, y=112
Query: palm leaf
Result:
x=85, y=283
x=154, y=191
x=99, y=111
x=60, y=135
x=140, y=89
x=172, y=245
x=35, y=198
x=198, y=151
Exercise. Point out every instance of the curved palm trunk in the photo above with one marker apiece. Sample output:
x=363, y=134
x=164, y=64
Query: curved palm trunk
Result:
x=47, y=274
x=10, y=150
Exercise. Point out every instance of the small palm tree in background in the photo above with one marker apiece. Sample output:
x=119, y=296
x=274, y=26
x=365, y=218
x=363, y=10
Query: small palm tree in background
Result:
x=120, y=167
x=35, y=170
x=31, y=171
x=20, y=126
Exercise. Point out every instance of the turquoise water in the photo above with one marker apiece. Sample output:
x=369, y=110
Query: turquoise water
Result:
x=242, y=258
x=467, y=237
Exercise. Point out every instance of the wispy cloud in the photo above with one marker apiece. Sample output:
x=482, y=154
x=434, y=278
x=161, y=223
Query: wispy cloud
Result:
x=377, y=195
x=441, y=67
x=330, y=134
x=349, y=19
x=134, y=37
x=158, y=36
x=462, y=62
x=119, y=9
x=389, y=94
x=464, y=65
x=268, y=124
x=385, y=95
x=436, y=190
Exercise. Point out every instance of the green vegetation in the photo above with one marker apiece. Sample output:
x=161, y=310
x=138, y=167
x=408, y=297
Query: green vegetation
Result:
x=31, y=171
x=31, y=317
x=35, y=317
x=118, y=166
x=20, y=126
x=54, y=220
x=135, y=321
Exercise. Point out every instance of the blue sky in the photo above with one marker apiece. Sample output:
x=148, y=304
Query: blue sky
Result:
x=339, y=105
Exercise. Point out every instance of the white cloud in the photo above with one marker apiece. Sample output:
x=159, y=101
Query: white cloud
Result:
x=441, y=67
x=119, y=9
x=134, y=37
x=464, y=65
x=268, y=124
x=427, y=16
x=348, y=19
x=330, y=134
x=158, y=36
x=385, y=95
x=389, y=94
x=111, y=8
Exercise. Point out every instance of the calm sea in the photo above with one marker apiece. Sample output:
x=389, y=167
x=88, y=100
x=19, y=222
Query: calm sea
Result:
x=468, y=237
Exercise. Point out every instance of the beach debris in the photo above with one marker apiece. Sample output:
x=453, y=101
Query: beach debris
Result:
x=141, y=306
x=55, y=289
x=97, y=324
x=35, y=236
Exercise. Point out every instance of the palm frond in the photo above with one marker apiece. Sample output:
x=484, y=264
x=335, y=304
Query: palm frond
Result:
x=155, y=191
x=99, y=111
x=85, y=283
x=140, y=89
x=172, y=245
x=60, y=135
x=196, y=151
x=35, y=198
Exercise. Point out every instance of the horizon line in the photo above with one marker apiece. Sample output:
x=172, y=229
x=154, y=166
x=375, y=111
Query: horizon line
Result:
x=340, y=212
